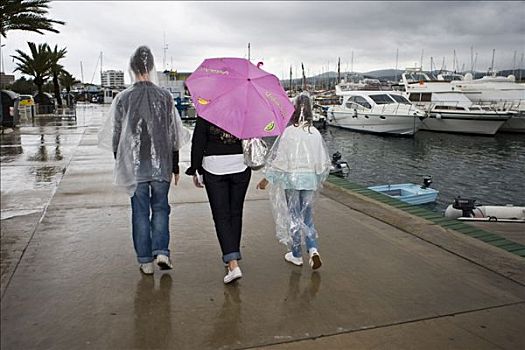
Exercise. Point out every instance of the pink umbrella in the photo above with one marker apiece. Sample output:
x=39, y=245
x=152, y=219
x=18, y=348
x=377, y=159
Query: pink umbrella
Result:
x=239, y=97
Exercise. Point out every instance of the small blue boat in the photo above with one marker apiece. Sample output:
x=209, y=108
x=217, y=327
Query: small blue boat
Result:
x=409, y=193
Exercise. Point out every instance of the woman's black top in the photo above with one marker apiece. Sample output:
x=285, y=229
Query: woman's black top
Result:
x=210, y=140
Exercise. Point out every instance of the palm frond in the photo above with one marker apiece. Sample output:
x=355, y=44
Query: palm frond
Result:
x=28, y=15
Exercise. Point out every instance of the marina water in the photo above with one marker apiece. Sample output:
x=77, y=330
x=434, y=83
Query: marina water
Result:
x=488, y=169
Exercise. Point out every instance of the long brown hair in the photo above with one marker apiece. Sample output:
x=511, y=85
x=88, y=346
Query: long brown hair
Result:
x=302, y=106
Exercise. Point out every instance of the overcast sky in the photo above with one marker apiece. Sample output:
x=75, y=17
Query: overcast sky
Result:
x=283, y=34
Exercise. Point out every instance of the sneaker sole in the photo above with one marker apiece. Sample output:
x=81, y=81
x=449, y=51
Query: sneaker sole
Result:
x=233, y=279
x=146, y=273
x=164, y=266
x=316, y=262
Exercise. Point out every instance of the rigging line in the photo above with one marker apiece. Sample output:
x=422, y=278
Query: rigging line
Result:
x=95, y=71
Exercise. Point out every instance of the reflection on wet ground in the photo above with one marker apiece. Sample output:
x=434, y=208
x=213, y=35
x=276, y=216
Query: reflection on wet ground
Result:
x=227, y=323
x=152, y=313
x=34, y=156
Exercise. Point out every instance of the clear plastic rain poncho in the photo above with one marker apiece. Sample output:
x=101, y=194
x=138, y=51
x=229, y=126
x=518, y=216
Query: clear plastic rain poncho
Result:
x=143, y=127
x=297, y=165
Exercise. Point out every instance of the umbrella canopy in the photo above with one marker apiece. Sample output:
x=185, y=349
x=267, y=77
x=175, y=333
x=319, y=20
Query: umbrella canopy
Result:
x=239, y=97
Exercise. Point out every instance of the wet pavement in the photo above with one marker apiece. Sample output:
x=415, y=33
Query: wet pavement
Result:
x=388, y=281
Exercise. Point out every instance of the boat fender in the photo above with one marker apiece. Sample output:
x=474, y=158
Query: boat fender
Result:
x=438, y=116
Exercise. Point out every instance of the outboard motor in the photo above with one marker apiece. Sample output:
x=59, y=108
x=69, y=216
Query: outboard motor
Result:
x=427, y=181
x=336, y=157
x=466, y=205
x=339, y=168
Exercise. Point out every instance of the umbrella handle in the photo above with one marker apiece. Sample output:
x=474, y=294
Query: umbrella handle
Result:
x=259, y=64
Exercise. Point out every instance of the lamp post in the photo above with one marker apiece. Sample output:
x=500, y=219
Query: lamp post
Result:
x=1, y=59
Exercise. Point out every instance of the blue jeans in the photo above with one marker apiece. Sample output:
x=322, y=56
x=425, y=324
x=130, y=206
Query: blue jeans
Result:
x=300, y=208
x=151, y=236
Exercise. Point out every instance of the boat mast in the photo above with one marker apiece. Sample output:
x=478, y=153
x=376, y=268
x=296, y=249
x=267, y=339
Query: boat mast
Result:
x=81, y=73
x=352, y=66
x=248, y=51
x=164, y=48
x=101, y=60
x=514, y=64
x=397, y=59
x=95, y=71
x=492, y=64
x=454, y=62
x=521, y=64
x=304, y=77
x=472, y=60
x=339, y=70
x=290, y=81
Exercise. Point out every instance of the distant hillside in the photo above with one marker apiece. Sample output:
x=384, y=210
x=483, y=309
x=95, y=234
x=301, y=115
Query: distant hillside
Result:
x=388, y=75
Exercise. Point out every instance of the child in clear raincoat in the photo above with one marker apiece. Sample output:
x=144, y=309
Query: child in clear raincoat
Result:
x=296, y=167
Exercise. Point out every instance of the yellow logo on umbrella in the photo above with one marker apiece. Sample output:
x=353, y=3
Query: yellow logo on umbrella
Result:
x=269, y=127
x=203, y=101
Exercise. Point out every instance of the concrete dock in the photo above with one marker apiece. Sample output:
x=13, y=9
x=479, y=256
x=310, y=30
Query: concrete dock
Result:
x=389, y=280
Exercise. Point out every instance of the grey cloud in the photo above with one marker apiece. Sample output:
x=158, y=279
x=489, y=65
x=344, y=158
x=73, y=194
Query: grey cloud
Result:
x=287, y=33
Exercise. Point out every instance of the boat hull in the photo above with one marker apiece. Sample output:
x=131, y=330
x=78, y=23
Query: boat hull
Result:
x=408, y=193
x=464, y=125
x=494, y=213
x=373, y=123
x=514, y=124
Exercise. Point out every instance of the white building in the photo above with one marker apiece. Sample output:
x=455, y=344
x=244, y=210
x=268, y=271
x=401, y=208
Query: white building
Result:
x=169, y=81
x=112, y=78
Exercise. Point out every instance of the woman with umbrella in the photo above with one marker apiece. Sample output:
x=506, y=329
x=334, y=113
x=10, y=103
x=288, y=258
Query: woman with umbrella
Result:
x=217, y=160
x=235, y=100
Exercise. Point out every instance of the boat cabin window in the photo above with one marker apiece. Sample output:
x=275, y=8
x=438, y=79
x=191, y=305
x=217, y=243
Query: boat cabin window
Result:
x=415, y=76
x=450, y=108
x=360, y=101
x=400, y=99
x=383, y=99
x=417, y=97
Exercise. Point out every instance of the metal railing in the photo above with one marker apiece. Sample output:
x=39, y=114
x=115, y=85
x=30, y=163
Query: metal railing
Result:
x=387, y=108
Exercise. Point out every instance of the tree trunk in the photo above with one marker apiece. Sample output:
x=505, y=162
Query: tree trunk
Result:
x=57, y=89
x=39, y=83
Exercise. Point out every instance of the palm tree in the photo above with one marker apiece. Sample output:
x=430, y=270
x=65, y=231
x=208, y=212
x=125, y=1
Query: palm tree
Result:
x=67, y=81
x=38, y=65
x=26, y=15
x=56, y=68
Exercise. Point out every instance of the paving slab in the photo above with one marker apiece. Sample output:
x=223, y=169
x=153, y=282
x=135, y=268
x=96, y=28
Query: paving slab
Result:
x=497, y=328
x=77, y=284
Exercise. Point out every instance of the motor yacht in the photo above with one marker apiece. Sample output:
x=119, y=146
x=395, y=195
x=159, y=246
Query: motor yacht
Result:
x=503, y=92
x=384, y=112
x=448, y=109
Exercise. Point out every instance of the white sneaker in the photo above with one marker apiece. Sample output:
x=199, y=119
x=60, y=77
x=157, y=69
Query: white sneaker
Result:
x=146, y=268
x=232, y=275
x=164, y=262
x=292, y=259
x=315, y=259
